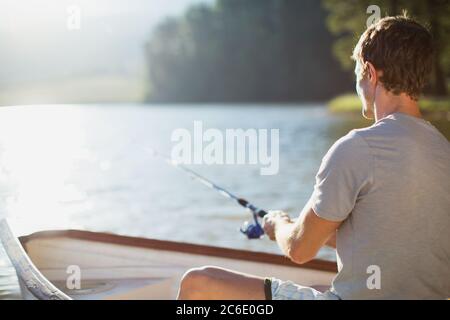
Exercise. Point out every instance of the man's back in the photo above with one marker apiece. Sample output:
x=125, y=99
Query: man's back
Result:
x=383, y=191
x=401, y=217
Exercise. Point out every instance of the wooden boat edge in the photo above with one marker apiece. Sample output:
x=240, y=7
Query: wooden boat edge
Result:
x=28, y=275
x=190, y=248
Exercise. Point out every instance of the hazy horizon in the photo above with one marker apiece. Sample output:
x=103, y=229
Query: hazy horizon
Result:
x=41, y=56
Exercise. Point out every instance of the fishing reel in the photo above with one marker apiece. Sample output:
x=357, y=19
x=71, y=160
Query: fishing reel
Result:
x=253, y=230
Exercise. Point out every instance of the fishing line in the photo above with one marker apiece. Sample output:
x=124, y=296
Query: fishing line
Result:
x=251, y=230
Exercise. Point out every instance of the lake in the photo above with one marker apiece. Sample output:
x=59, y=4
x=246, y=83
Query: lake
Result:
x=88, y=167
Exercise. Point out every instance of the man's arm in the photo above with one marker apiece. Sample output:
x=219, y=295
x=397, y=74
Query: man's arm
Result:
x=300, y=240
x=331, y=242
x=345, y=171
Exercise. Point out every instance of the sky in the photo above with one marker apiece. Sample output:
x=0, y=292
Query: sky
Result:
x=37, y=45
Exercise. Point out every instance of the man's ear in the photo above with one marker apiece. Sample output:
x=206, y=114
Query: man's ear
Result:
x=371, y=72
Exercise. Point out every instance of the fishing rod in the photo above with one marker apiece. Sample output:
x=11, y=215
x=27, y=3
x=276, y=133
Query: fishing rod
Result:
x=251, y=230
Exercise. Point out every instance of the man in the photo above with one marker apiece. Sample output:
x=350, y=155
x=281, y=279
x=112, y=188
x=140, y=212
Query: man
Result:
x=383, y=191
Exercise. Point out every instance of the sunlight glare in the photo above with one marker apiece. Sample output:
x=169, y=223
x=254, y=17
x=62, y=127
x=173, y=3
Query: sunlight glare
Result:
x=39, y=151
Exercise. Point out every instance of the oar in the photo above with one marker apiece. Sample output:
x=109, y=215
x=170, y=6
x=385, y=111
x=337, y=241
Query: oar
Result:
x=253, y=231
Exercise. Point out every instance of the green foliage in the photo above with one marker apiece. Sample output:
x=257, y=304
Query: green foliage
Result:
x=252, y=50
x=347, y=20
x=429, y=104
x=345, y=103
x=351, y=103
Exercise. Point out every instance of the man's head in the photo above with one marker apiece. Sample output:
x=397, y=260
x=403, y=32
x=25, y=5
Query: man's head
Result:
x=393, y=57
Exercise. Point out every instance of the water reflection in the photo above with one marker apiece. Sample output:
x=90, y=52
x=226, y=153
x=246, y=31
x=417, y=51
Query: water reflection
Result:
x=86, y=167
x=39, y=153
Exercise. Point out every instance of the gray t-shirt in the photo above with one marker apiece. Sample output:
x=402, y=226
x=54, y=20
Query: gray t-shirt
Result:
x=390, y=185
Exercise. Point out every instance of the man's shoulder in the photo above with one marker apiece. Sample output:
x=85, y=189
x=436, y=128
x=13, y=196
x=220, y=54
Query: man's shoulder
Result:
x=399, y=132
x=349, y=146
x=354, y=138
x=379, y=130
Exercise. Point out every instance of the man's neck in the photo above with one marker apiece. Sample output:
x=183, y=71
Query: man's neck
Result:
x=390, y=104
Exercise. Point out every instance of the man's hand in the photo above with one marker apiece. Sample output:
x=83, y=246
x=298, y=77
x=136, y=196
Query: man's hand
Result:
x=271, y=220
x=299, y=239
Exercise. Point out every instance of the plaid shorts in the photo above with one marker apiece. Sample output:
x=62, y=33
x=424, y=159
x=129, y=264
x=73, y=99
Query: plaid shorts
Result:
x=276, y=289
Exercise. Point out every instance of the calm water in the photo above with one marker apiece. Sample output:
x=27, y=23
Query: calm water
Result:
x=86, y=167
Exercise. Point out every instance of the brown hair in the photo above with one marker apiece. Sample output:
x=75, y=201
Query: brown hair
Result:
x=402, y=49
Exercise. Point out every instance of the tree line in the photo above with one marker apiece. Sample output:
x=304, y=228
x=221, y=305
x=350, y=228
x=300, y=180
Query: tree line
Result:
x=346, y=20
x=261, y=50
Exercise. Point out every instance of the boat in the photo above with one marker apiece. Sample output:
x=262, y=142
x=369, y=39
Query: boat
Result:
x=113, y=266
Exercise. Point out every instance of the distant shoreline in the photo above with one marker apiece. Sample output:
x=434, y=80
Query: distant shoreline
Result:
x=301, y=104
x=431, y=107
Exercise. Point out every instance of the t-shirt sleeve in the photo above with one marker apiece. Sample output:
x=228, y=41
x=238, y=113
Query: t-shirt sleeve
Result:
x=344, y=174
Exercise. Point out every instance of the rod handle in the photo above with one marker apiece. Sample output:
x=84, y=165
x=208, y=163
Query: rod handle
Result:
x=262, y=213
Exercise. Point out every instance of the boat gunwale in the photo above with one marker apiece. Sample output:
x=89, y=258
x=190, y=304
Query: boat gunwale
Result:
x=181, y=247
